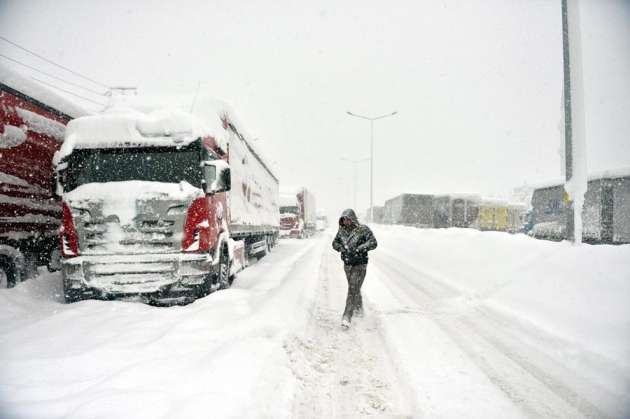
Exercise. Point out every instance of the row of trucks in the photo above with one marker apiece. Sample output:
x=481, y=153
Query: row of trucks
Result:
x=150, y=200
x=605, y=213
x=298, y=213
x=453, y=210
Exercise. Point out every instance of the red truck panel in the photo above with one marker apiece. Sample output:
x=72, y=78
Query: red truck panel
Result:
x=27, y=207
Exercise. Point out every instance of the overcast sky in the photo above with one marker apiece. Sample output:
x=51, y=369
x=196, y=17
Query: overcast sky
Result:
x=477, y=84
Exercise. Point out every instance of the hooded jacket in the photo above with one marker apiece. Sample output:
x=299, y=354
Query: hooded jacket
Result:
x=354, y=241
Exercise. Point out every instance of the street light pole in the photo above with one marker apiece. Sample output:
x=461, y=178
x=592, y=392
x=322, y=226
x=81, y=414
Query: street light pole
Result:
x=371, y=171
x=355, y=163
x=371, y=119
x=576, y=181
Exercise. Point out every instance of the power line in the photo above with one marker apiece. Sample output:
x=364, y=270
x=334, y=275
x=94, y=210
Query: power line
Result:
x=52, y=76
x=53, y=63
x=67, y=91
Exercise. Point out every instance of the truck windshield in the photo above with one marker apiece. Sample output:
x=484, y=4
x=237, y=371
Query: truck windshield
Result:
x=289, y=210
x=163, y=164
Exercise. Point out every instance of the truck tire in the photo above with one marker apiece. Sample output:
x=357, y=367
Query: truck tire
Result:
x=72, y=295
x=223, y=276
x=7, y=273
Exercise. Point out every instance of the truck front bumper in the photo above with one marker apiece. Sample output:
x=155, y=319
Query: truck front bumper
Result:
x=168, y=277
x=290, y=233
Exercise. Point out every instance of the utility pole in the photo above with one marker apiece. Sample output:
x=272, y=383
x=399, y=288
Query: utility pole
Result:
x=574, y=124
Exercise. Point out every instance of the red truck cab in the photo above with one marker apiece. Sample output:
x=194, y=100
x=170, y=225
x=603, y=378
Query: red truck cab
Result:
x=149, y=211
x=32, y=125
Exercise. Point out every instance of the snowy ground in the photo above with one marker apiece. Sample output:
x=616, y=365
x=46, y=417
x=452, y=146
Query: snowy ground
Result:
x=459, y=323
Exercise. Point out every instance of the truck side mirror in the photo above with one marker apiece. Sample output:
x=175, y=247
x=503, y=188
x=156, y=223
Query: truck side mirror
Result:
x=53, y=184
x=59, y=179
x=216, y=176
x=226, y=179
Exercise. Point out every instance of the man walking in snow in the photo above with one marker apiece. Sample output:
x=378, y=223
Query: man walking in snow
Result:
x=354, y=241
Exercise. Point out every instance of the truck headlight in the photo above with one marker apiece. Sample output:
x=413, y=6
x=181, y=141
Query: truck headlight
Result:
x=81, y=214
x=73, y=271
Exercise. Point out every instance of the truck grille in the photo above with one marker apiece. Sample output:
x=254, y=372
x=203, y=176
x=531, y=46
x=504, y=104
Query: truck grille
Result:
x=146, y=236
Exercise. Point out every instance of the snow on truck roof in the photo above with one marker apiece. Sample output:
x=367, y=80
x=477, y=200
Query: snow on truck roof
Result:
x=620, y=172
x=287, y=200
x=24, y=85
x=149, y=122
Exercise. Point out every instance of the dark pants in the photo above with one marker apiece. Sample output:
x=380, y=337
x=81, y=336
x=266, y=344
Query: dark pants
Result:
x=354, y=304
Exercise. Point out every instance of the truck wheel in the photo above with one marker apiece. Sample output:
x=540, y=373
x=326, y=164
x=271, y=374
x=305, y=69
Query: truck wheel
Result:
x=7, y=273
x=223, y=278
x=72, y=295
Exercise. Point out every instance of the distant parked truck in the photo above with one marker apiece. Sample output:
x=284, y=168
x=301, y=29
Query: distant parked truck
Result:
x=606, y=212
x=298, y=213
x=160, y=204
x=456, y=210
x=465, y=210
x=32, y=125
x=322, y=222
x=517, y=214
x=497, y=215
x=411, y=210
x=493, y=215
x=378, y=214
x=442, y=211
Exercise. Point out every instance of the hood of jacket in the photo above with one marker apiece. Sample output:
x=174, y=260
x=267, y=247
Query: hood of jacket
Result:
x=349, y=213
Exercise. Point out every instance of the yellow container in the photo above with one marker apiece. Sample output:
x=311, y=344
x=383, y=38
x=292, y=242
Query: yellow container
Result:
x=486, y=218
x=500, y=218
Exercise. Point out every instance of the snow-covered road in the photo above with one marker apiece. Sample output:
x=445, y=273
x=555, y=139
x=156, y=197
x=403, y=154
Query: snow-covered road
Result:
x=459, y=323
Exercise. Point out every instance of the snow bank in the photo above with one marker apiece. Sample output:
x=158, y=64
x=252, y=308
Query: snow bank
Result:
x=579, y=294
x=222, y=356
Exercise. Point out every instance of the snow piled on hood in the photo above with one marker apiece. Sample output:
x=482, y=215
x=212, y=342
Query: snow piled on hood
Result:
x=119, y=198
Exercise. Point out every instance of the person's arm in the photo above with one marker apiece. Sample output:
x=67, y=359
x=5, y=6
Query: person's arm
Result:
x=338, y=244
x=370, y=242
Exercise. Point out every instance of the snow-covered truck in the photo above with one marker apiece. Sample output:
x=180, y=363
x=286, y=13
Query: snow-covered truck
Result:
x=32, y=124
x=160, y=204
x=322, y=220
x=298, y=213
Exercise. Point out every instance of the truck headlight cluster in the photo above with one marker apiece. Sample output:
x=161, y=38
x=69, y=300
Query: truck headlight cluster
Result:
x=74, y=272
x=80, y=214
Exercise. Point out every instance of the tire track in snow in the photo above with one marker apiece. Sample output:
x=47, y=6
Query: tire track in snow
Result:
x=486, y=323
x=536, y=392
x=341, y=374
